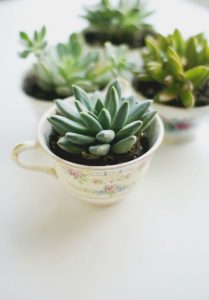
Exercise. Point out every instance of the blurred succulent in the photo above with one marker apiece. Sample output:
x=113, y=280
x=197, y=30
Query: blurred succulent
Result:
x=177, y=67
x=95, y=128
x=122, y=23
x=57, y=68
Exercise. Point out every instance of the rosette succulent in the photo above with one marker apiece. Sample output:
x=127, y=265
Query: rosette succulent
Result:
x=124, y=22
x=175, y=69
x=95, y=128
x=58, y=67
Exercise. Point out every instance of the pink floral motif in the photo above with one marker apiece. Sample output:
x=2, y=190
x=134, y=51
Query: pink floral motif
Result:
x=78, y=176
x=111, y=188
x=74, y=173
x=183, y=125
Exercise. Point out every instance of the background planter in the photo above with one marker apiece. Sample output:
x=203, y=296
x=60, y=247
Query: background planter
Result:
x=39, y=106
x=181, y=124
x=98, y=185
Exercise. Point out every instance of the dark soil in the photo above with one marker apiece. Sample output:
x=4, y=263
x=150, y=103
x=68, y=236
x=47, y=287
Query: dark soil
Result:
x=150, y=89
x=141, y=147
x=99, y=38
x=31, y=88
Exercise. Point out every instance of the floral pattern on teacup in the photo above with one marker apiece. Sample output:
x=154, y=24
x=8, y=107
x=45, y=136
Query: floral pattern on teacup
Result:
x=177, y=125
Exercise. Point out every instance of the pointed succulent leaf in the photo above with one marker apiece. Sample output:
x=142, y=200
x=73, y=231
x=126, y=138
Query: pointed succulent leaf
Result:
x=197, y=75
x=124, y=145
x=179, y=41
x=91, y=123
x=105, y=118
x=191, y=52
x=93, y=115
x=67, y=111
x=81, y=96
x=43, y=32
x=100, y=150
x=152, y=45
x=79, y=139
x=155, y=71
x=174, y=64
x=105, y=136
x=120, y=117
x=138, y=110
x=69, y=147
x=98, y=107
x=62, y=125
x=80, y=107
x=147, y=120
x=187, y=98
x=112, y=103
x=25, y=38
x=129, y=129
x=116, y=85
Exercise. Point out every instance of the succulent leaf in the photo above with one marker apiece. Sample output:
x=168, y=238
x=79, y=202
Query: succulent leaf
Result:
x=98, y=107
x=91, y=123
x=124, y=145
x=187, y=98
x=80, y=107
x=120, y=117
x=81, y=96
x=197, y=75
x=147, y=119
x=112, y=102
x=137, y=111
x=79, y=139
x=129, y=129
x=62, y=125
x=64, y=109
x=105, y=136
x=69, y=147
x=105, y=118
x=100, y=150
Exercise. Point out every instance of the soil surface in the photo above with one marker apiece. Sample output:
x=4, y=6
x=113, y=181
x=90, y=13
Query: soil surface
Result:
x=31, y=88
x=98, y=38
x=149, y=90
x=141, y=147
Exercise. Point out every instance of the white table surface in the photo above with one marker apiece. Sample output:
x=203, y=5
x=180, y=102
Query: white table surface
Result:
x=152, y=246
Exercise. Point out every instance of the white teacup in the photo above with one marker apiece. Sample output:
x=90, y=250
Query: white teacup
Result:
x=96, y=184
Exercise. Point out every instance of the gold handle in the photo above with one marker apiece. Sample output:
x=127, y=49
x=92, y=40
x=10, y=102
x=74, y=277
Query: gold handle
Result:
x=28, y=146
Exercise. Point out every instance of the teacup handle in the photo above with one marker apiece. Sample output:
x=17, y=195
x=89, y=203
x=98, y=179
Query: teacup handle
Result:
x=28, y=146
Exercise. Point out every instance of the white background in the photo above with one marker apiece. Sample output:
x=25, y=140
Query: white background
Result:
x=152, y=246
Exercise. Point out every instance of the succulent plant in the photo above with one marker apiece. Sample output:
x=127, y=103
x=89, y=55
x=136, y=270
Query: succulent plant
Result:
x=178, y=67
x=120, y=23
x=57, y=68
x=95, y=128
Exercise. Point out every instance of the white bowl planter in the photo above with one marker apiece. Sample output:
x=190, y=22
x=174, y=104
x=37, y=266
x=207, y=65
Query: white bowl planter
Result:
x=99, y=185
x=181, y=124
x=39, y=106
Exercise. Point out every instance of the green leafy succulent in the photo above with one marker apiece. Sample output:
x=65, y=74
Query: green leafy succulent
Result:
x=95, y=128
x=120, y=23
x=178, y=67
x=57, y=68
